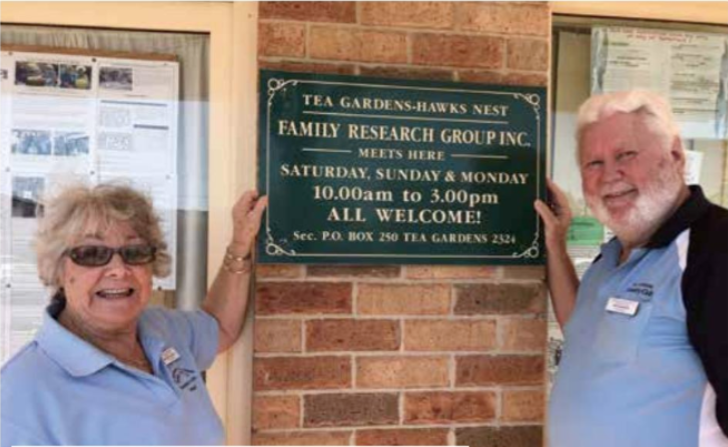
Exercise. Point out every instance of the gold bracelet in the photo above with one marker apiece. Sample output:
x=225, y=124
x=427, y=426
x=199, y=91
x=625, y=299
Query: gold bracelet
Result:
x=231, y=258
x=247, y=266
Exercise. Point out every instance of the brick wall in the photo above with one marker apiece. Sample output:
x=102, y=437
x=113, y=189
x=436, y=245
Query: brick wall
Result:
x=402, y=355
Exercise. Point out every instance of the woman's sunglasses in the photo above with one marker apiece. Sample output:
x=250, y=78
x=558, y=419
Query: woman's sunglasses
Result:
x=100, y=255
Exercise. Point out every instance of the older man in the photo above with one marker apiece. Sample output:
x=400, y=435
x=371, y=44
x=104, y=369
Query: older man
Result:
x=645, y=360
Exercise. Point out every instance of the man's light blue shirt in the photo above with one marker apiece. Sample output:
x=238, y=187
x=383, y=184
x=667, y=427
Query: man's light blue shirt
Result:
x=61, y=390
x=629, y=380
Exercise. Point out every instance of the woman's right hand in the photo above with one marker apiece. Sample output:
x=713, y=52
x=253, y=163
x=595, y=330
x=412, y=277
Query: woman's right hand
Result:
x=556, y=218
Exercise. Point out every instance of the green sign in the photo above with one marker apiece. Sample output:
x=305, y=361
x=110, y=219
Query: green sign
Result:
x=585, y=230
x=362, y=170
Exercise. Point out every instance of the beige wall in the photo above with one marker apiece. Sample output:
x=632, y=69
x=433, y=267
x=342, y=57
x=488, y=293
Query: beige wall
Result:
x=697, y=12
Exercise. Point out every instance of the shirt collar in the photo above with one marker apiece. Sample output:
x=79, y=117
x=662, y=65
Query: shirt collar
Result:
x=78, y=357
x=690, y=211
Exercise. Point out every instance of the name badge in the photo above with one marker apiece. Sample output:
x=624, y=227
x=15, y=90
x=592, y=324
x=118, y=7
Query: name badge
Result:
x=169, y=355
x=622, y=306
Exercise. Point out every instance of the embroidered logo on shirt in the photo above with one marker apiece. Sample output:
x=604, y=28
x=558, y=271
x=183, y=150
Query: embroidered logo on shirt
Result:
x=643, y=289
x=185, y=378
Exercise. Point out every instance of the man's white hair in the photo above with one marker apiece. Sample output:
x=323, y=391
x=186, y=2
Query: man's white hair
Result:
x=654, y=108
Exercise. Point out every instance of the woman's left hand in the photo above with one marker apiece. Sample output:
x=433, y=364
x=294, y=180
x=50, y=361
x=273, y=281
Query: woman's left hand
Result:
x=247, y=215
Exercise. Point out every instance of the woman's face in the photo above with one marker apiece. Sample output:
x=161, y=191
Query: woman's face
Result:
x=107, y=298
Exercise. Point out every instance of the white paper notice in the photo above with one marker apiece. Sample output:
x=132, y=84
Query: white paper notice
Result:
x=686, y=68
x=137, y=121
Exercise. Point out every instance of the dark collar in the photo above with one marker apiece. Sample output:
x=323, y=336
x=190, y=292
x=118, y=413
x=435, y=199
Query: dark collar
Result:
x=690, y=211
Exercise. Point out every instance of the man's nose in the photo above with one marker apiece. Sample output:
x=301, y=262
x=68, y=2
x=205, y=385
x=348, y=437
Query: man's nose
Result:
x=612, y=171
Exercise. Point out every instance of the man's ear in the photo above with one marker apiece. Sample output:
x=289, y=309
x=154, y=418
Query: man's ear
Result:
x=676, y=152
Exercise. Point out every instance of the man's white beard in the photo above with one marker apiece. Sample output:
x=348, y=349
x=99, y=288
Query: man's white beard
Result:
x=654, y=202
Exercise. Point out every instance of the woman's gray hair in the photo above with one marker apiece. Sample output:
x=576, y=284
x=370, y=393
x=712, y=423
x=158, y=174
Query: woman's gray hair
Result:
x=77, y=209
x=654, y=108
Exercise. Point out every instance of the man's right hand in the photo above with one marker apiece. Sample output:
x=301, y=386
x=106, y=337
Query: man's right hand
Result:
x=562, y=279
x=556, y=217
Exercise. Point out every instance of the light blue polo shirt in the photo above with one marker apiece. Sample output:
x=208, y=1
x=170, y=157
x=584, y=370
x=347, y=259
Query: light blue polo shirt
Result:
x=631, y=380
x=61, y=390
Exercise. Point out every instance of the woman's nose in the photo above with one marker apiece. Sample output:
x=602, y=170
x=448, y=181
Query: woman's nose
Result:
x=117, y=266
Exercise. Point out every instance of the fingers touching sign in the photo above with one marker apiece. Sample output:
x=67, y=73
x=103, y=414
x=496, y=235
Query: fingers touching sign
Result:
x=247, y=216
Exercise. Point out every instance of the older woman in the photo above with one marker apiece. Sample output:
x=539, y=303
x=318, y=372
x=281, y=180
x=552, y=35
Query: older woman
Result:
x=104, y=368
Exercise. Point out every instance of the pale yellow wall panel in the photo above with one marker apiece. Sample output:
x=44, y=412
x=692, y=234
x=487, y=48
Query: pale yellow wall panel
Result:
x=698, y=12
x=178, y=16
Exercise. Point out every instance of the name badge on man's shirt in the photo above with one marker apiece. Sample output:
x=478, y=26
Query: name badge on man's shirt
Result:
x=169, y=355
x=622, y=306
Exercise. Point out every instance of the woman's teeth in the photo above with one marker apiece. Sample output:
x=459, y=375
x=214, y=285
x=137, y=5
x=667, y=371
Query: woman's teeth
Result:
x=115, y=293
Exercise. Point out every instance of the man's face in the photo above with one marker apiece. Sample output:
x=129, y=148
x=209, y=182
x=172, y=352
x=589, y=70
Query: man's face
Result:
x=631, y=181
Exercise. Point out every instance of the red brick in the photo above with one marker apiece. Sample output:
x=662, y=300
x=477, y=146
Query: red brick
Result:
x=276, y=298
x=306, y=67
x=449, y=407
x=482, y=370
x=450, y=272
x=520, y=436
x=506, y=17
x=342, y=12
x=457, y=51
x=277, y=335
x=403, y=299
x=449, y=335
x=428, y=74
x=402, y=372
x=263, y=271
x=352, y=410
x=504, y=298
x=315, y=438
x=301, y=373
x=276, y=412
x=402, y=436
x=348, y=44
x=508, y=78
x=355, y=271
x=528, y=54
x=523, y=405
x=537, y=273
x=352, y=335
x=408, y=14
x=281, y=39
x=523, y=335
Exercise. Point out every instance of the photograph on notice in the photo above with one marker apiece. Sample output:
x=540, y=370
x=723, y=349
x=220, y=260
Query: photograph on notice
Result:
x=3, y=74
x=75, y=76
x=115, y=78
x=70, y=144
x=27, y=192
x=36, y=74
x=31, y=142
x=114, y=141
